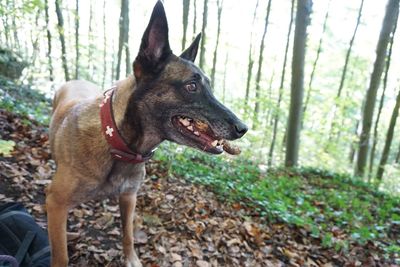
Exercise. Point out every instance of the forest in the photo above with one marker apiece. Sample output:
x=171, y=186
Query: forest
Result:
x=317, y=182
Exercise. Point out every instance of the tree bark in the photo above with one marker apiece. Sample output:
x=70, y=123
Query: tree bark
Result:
x=62, y=39
x=219, y=5
x=280, y=94
x=123, y=35
x=90, y=38
x=259, y=70
x=389, y=139
x=185, y=16
x=48, y=54
x=250, y=61
x=77, y=40
x=297, y=85
x=203, y=35
x=105, y=45
x=382, y=100
x=194, y=18
x=392, y=10
x=319, y=50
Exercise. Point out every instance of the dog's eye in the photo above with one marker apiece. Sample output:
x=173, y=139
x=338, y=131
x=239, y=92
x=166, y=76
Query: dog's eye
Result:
x=191, y=87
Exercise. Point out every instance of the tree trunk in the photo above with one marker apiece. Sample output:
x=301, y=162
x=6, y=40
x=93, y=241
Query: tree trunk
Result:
x=297, y=86
x=389, y=20
x=185, y=16
x=280, y=94
x=90, y=39
x=398, y=156
x=105, y=45
x=353, y=144
x=219, y=5
x=194, y=18
x=389, y=138
x=382, y=100
x=123, y=34
x=14, y=25
x=319, y=50
x=77, y=40
x=48, y=54
x=250, y=61
x=224, y=80
x=203, y=35
x=260, y=63
x=344, y=72
x=62, y=39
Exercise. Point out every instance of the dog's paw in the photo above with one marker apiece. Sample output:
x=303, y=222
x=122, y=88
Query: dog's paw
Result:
x=133, y=262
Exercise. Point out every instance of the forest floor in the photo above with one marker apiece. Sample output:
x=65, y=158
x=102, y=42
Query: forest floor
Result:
x=178, y=223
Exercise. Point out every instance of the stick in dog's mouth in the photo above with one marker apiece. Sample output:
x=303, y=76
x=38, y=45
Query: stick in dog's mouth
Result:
x=204, y=133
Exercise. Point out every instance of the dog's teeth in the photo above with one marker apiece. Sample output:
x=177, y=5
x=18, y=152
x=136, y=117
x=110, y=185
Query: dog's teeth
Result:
x=190, y=128
x=196, y=133
x=214, y=143
x=185, y=122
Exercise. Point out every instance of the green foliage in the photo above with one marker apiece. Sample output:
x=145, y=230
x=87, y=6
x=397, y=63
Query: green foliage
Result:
x=332, y=207
x=6, y=147
x=23, y=100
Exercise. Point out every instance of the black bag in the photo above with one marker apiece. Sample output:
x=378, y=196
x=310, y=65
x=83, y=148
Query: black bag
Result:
x=22, y=238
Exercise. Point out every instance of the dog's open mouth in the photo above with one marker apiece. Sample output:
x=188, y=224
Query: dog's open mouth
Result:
x=202, y=135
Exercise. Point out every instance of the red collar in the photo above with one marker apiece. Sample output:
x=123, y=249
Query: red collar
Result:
x=119, y=148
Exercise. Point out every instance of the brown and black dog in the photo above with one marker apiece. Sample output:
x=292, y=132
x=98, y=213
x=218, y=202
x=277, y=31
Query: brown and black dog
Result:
x=167, y=98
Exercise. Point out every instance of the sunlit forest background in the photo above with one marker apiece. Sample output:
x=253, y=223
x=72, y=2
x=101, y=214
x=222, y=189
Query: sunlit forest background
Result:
x=247, y=52
x=317, y=82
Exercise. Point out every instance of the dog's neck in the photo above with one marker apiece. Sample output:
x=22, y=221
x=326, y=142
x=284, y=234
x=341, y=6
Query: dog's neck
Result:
x=140, y=138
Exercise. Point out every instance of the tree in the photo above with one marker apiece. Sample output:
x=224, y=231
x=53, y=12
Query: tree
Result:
x=123, y=37
x=344, y=71
x=185, y=16
x=389, y=138
x=259, y=70
x=389, y=20
x=62, y=39
x=194, y=18
x=381, y=101
x=297, y=85
x=219, y=6
x=48, y=54
x=77, y=39
x=203, y=35
x=105, y=45
x=319, y=50
x=250, y=60
x=90, y=39
x=281, y=86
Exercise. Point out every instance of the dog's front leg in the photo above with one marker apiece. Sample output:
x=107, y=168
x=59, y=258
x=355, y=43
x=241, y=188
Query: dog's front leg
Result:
x=57, y=227
x=127, y=205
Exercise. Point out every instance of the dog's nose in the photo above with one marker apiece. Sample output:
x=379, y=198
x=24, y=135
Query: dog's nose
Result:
x=240, y=129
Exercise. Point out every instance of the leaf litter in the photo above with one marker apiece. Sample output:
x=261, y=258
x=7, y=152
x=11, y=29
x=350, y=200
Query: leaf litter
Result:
x=177, y=223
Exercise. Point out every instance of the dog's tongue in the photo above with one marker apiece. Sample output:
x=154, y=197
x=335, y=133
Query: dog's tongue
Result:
x=231, y=149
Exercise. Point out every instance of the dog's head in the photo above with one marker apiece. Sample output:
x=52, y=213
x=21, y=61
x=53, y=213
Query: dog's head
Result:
x=174, y=96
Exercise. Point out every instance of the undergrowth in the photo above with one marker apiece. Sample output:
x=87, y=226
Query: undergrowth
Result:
x=334, y=208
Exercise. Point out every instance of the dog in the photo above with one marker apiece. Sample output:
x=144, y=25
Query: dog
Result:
x=100, y=142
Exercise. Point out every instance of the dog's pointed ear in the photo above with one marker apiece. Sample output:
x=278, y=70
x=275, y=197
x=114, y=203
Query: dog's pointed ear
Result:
x=191, y=52
x=154, y=48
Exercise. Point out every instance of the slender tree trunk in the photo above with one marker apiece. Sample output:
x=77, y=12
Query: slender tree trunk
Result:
x=14, y=26
x=105, y=45
x=259, y=70
x=185, y=16
x=382, y=100
x=128, y=63
x=48, y=54
x=194, y=18
x=250, y=61
x=62, y=39
x=319, y=50
x=353, y=144
x=389, y=138
x=90, y=39
x=123, y=33
x=392, y=10
x=280, y=94
x=297, y=86
x=344, y=72
x=219, y=5
x=77, y=40
x=203, y=35
x=224, y=80
x=398, y=155
x=6, y=26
